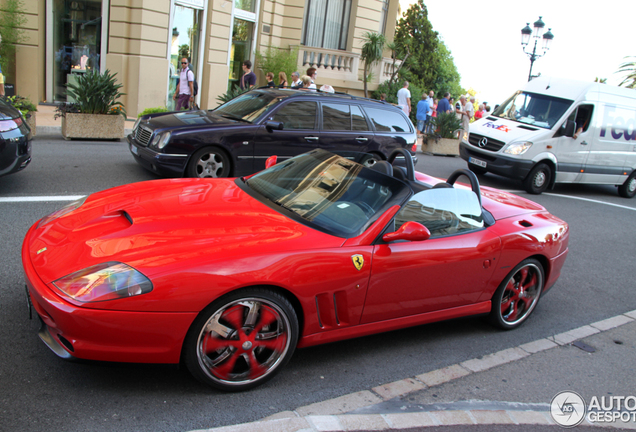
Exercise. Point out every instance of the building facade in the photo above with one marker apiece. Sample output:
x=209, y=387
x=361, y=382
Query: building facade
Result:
x=143, y=40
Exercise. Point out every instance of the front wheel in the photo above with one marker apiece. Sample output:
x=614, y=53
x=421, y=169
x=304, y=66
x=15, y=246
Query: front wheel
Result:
x=241, y=340
x=518, y=295
x=628, y=189
x=538, y=180
x=208, y=162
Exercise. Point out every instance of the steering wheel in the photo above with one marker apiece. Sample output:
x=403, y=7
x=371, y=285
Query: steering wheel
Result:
x=474, y=183
x=410, y=168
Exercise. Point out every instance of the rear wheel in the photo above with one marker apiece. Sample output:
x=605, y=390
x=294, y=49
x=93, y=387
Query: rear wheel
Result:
x=241, y=340
x=539, y=179
x=518, y=295
x=628, y=189
x=208, y=162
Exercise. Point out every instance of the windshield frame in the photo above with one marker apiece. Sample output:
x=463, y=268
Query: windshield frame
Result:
x=400, y=194
x=504, y=110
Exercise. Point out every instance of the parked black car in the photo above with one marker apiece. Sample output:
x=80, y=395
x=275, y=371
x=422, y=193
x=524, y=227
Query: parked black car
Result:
x=15, y=147
x=236, y=138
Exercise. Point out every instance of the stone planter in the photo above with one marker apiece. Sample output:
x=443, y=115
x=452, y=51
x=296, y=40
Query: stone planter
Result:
x=93, y=126
x=30, y=121
x=443, y=146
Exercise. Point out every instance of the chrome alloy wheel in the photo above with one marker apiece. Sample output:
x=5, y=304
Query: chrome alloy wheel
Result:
x=243, y=342
x=521, y=294
x=210, y=165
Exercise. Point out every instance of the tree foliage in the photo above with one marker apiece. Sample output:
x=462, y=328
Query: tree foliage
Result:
x=277, y=60
x=428, y=62
x=12, y=19
x=629, y=69
x=372, y=49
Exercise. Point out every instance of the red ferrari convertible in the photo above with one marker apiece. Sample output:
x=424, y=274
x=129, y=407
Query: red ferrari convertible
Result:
x=230, y=276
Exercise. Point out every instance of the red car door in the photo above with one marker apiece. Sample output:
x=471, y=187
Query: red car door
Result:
x=450, y=269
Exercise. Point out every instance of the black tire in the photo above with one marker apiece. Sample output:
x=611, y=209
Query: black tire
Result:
x=241, y=340
x=477, y=170
x=370, y=160
x=518, y=295
x=208, y=162
x=539, y=179
x=628, y=189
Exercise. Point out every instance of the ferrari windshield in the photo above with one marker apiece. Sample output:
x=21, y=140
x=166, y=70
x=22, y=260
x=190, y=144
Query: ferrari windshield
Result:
x=533, y=109
x=329, y=192
x=248, y=106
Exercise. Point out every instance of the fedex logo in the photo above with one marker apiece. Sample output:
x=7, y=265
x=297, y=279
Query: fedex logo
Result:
x=617, y=125
x=502, y=128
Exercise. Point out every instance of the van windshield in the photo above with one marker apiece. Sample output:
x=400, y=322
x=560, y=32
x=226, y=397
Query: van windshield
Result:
x=534, y=109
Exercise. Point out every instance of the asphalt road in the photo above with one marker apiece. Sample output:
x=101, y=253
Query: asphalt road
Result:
x=39, y=392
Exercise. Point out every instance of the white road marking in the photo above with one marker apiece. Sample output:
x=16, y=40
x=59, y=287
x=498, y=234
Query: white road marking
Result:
x=41, y=198
x=591, y=200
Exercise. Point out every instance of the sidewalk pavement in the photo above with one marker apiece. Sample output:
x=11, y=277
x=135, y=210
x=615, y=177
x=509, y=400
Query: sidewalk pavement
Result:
x=509, y=390
x=47, y=125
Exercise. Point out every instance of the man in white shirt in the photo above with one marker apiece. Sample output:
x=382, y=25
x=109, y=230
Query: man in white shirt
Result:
x=404, y=98
x=296, y=81
x=184, y=95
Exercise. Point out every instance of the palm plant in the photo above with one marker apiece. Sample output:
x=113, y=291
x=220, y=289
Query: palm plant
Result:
x=371, y=53
x=96, y=93
x=446, y=125
x=629, y=68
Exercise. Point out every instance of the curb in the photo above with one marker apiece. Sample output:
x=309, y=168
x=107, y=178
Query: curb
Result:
x=347, y=413
x=57, y=130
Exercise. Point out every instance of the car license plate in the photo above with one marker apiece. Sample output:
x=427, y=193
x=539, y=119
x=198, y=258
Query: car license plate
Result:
x=477, y=162
x=134, y=149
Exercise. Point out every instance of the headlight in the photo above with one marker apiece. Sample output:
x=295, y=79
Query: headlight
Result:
x=61, y=212
x=155, y=140
x=165, y=139
x=101, y=282
x=518, y=148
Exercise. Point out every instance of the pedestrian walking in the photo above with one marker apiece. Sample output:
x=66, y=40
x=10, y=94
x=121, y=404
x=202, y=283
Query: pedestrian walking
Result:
x=423, y=108
x=444, y=105
x=184, y=94
x=404, y=98
x=270, y=80
x=282, y=79
x=296, y=81
x=248, y=80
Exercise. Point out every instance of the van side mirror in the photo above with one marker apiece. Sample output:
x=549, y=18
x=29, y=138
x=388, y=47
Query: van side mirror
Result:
x=273, y=125
x=568, y=128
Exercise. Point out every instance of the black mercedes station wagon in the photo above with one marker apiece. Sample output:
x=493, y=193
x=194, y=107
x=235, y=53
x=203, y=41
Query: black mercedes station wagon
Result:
x=236, y=138
x=15, y=146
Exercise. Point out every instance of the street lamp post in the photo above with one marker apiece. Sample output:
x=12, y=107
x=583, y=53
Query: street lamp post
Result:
x=527, y=33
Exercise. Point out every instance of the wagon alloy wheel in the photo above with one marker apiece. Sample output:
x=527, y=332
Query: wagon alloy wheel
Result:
x=243, y=341
x=518, y=295
x=209, y=162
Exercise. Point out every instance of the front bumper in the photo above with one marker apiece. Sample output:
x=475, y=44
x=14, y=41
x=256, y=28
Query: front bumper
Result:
x=504, y=166
x=106, y=335
x=166, y=165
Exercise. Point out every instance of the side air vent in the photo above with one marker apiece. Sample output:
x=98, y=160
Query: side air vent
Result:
x=525, y=223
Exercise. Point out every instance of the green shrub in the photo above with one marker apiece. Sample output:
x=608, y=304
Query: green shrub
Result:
x=96, y=93
x=22, y=104
x=391, y=90
x=277, y=60
x=154, y=110
x=446, y=125
x=231, y=94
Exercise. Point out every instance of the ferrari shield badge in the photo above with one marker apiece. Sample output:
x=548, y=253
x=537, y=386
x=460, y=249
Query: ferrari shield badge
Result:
x=358, y=261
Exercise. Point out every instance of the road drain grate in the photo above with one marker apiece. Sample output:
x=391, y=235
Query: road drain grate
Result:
x=583, y=346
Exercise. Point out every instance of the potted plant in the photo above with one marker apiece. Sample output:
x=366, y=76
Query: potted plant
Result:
x=446, y=127
x=96, y=113
x=27, y=108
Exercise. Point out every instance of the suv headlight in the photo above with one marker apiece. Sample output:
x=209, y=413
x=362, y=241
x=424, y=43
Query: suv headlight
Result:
x=518, y=148
x=161, y=140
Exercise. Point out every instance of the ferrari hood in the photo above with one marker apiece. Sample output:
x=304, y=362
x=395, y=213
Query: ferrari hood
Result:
x=156, y=223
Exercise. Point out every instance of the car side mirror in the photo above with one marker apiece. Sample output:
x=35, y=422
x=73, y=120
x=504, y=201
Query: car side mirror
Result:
x=411, y=231
x=273, y=125
x=271, y=161
x=568, y=128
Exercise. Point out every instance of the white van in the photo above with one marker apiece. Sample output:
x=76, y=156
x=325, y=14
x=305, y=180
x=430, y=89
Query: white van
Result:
x=559, y=131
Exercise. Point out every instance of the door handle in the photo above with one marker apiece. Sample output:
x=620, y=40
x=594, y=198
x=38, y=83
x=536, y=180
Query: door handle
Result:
x=311, y=138
x=362, y=139
x=583, y=142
